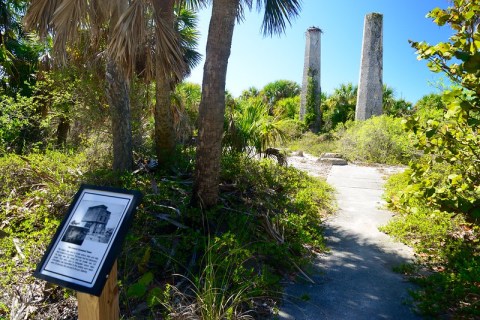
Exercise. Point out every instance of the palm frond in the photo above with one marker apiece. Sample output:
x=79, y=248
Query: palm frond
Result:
x=193, y=58
x=128, y=36
x=168, y=46
x=194, y=5
x=98, y=13
x=68, y=19
x=102, y=9
x=39, y=16
x=186, y=18
x=277, y=13
x=186, y=25
x=241, y=9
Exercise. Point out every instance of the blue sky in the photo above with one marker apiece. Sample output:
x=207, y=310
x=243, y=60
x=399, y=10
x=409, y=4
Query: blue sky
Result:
x=256, y=60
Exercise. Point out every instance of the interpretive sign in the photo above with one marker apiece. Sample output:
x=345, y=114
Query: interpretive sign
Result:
x=87, y=242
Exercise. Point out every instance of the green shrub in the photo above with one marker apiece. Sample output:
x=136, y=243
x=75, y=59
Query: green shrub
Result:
x=376, y=140
x=429, y=107
x=292, y=129
x=287, y=108
x=20, y=129
x=314, y=144
x=285, y=204
x=444, y=242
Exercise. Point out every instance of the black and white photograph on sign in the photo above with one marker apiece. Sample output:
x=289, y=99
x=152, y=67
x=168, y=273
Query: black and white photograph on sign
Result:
x=95, y=224
x=86, y=236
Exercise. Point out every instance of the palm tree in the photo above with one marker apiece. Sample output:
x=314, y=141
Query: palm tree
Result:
x=249, y=93
x=129, y=28
x=340, y=106
x=251, y=129
x=164, y=33
x=212, y=105
x=64, y=19
x=277, y=90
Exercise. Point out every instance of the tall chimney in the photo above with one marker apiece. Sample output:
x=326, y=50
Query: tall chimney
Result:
x=311, y=69
x=370, y=86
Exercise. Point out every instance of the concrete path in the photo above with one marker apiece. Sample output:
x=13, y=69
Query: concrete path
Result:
x=355, y=279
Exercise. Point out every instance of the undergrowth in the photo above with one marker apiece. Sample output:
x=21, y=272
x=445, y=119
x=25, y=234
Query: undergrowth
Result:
x=446, y=244
x=314, y=144
x=376, y=140
x=268, y=224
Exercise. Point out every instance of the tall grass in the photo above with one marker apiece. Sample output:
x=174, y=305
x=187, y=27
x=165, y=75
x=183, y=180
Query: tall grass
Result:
x=222, y=290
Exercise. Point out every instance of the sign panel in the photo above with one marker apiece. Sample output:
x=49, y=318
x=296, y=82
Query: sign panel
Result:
x=87, y=242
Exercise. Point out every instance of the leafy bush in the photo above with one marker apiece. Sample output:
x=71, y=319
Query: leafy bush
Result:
x=444, y=242
x=314, y=144
x=63, y=106
x=376, y=140
x=420, y=226
x=285, y=198
x=453, y=139
x=287, y=108
x=19, y=124
x=453, y=289
x=292, y=129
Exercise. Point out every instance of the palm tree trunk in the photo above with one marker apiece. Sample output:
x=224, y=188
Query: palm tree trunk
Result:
x=163, y=116
x=119, y=102
x=118, y=98
x=212, y=105
x=164, y=129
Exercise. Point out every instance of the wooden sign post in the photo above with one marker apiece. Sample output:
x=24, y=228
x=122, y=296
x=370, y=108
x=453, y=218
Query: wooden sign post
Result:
x=105, y=307
x=82, y=255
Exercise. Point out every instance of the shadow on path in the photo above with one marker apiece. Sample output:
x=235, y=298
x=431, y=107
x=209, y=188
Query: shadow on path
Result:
x=355, y=279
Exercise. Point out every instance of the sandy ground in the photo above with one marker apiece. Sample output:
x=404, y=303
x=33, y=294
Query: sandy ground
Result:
x=310, y=164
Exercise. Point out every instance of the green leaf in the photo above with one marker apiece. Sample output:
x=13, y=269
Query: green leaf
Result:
x=462, y=55
x=154, y=296
x=146, y=279
x=430, y=133
x=476, y=213
x=472, y=65
x=136, y=290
